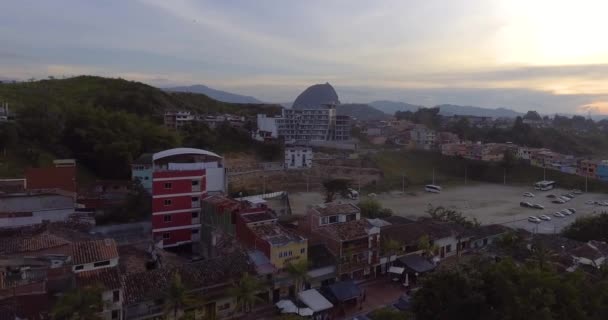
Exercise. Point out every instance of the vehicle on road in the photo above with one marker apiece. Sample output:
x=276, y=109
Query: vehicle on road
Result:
x=566, y=212
x=534, y=219
x=551, y=196
x=559, y=215
x=544, y=185
x=545, y=217
x=528, y=195
x=572, y=210
x=537, y=206
x=432, y=188
x=525, y=204
x=558, y=201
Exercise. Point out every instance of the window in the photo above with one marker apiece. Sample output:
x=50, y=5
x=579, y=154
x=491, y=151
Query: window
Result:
x=333, y=219
x=168, y=202
x=324, y=220
x=166, y=236
x=485, y=241
x=116, y=296
x=101, y=263
x=195, y=183
x=167, y=218
x=168, y=185
x=302, y=250
x=290, y=253
x=194, y=231
x=194, y=199
x=80, y=267
x=114, y=314
x=351, y=217
x=195, y=215
x=448, y=248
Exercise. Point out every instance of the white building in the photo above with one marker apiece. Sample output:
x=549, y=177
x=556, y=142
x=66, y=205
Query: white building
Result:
x=267, y=126
x=27, y=209
x=298, y=157
x=177, y=119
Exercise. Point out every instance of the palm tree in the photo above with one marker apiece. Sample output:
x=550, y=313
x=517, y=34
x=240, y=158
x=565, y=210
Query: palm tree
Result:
x=541, y=256
x=299, y=273
x=425, y=245
x=390, y=247
x=245, y=292
x=80, y=303
x=177, y=297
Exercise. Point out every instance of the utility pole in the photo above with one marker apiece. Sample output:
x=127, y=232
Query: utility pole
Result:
x=504, y=176
x=264, y=184
x=307, y=183
x=544, y=173
x=403, y=183
x=465, y=175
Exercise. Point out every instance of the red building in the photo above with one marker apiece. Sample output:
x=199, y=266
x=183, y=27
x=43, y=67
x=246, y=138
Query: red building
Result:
x=179, y=182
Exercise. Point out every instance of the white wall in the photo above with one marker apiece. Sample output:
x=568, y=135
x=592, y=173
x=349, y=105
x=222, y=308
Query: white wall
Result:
x=216, y=179
x=90, y=266
x=36, y=218
x=302, y=157
x=268, y=124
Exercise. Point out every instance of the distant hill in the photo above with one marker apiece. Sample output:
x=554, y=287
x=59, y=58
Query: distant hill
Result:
x=316, y=96
x=216, y=94
x=450, y=109
x=390, y=107
x=361, y=111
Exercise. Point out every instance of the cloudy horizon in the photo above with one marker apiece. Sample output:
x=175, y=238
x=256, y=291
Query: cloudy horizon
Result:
x=525, y=55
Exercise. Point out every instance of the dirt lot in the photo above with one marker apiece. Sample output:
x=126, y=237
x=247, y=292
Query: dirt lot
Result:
x=489, y=203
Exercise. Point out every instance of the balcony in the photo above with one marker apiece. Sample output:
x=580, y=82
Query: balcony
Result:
x=196, y=204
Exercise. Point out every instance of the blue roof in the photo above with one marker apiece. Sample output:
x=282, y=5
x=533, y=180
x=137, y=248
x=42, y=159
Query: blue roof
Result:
x=344, y=290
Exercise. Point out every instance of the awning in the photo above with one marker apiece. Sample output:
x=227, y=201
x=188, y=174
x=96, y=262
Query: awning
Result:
x=417, y=263
x=305, y=312
x=314, y=300
x=397, y=270
x=345, y=290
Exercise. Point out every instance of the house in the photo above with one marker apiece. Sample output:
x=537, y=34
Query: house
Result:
x=52, y=179
x=27, y=209
x=353, y=241
x=112, y=293
x=423, y=137
x=456, y=149
x=145, y=292
x=298, y=157
x=588, y=168
x=181, y=177
x=322, y=266
x=218, y=219
x=445, y=137
x=486, y=235
x=94, y=255
x=592, y=253
x=177, y=119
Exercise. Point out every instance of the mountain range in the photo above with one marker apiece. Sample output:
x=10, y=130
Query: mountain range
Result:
x=218, y=95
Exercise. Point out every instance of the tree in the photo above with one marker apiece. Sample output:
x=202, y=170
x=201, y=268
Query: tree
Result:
x=334, y=187
x=80, y=303
x=541, y=256
x=178, y=297
x=532, y=115
x=371, y=208
x=390, y=247
x=245, y=292
x=426, y=246
x=449, y=215
x=588, y=228
x=299, y=273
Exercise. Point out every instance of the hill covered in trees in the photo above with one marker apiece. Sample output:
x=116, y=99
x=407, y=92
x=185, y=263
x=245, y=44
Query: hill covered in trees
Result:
x=105, y=123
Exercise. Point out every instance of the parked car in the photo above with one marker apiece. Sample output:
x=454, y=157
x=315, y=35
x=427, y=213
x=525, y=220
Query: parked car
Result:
x=567, y=196
x=572, y=211
x=566, y=212
x=577, y=191
x=537, y=206
x=558, y=201
x=590, y=202
x=559, y=215
x=565, y=199
x=544, y=217
x=551, y=196
x=571, y=195
x=525, y=204
x=534, y=219
x=528, y=195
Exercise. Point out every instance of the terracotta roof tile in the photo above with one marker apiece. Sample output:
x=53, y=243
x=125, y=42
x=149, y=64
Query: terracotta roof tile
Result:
x=334, y=208
x=31, y=243
x=108, y=278
x=93, y=251
x=347, y=230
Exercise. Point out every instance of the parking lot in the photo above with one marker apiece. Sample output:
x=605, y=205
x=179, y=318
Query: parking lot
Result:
x=489, y=203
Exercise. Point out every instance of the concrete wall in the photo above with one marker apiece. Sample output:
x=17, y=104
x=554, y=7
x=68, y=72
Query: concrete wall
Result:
x=216, y=179
x=36, y=218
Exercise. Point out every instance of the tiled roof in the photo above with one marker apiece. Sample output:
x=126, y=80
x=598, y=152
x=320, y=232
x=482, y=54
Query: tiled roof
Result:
x=30, y=243
x=153, y=284
x=592, y=250
x=108, y=278
x=275, y=234
x=345, y=231
x=258, y=216
x=334, y=208
x=411, y=232
x=93, y=251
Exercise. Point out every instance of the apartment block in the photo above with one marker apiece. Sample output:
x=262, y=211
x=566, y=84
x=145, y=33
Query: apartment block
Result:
x=297, y=157
x=177, y=119
x=181, y=177
x=304, y=125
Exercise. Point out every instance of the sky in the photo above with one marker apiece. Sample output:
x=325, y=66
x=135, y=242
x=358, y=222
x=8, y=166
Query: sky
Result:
x=544, y=55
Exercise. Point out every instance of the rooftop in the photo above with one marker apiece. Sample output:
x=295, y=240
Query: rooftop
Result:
x=183, y=151
x=257, y=216
x=108, y=278
x=153, y=284
x=411, y=232
x=51, y=177
x=220, y=200
x=346, y=231
x=28, y=202
x=334, y=208
x=94, y=251
x=30, y=243
x=275, y=234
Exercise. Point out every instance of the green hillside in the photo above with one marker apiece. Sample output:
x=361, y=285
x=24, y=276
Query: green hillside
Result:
x=104, y=123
